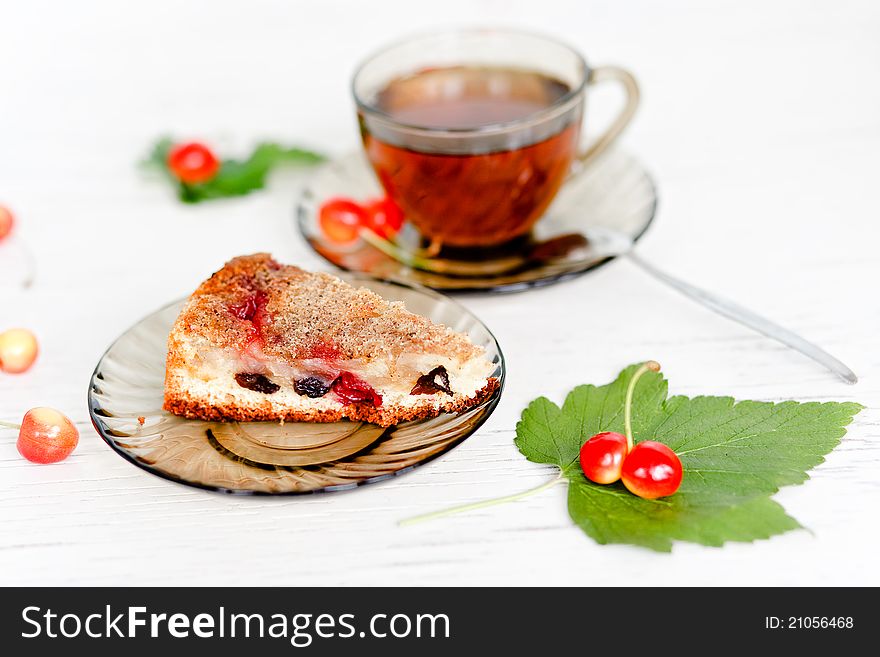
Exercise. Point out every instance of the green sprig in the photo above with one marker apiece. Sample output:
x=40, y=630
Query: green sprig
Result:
x=235, y=177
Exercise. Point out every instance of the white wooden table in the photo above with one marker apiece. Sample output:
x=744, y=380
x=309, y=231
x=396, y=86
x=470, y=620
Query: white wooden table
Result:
x=760, y=121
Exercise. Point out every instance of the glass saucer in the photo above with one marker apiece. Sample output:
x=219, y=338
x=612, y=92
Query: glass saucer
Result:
x=614, y=192
x=125, y=404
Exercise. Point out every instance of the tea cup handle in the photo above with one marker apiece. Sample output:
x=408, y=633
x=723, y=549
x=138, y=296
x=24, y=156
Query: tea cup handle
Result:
x=625, y=78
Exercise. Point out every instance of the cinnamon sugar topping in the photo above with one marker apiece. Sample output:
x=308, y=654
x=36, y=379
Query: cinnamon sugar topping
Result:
x=299, y=315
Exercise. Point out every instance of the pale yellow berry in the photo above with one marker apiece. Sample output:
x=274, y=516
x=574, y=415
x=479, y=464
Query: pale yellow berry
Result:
x=46, y=436
x=18, y=350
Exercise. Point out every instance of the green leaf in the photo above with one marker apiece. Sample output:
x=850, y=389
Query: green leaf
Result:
x=545, y=435
x=734, y=456
x=158, y=155
x=235, y=177
x=600, y=408
x=611, y=514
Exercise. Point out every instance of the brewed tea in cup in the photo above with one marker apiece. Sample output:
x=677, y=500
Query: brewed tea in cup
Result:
x=473, y=133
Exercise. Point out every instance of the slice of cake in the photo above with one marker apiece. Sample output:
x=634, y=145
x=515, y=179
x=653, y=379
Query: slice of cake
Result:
x=261, y=341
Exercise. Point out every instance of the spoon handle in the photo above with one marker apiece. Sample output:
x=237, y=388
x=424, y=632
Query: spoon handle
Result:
x=747, y=318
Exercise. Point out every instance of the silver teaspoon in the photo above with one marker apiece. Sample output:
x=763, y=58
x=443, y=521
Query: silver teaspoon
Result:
x=608, y=242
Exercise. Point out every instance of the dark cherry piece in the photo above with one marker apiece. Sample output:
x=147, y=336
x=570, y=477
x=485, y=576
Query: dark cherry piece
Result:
x=437, y=380
x=311, y=386
x=256, y=382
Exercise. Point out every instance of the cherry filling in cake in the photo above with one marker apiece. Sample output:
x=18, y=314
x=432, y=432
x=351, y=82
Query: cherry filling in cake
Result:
x=347, y=386
x=311, y=386
x=256, y=382
x=437, y=380
x=251, y=309
x=260, y=341
x=247, y=308
x=352, y=390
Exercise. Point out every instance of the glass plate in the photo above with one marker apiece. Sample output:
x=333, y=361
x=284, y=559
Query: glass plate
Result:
x=614, y=192
x=125, y=404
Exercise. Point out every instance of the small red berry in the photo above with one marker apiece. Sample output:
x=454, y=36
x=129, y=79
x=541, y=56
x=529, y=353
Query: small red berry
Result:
x=602, y=457
x=46, y=436
x=651, y=470
x=384, y=217
x=6, y=222
x=18, y=350
x=193, y=163
x=341, y=220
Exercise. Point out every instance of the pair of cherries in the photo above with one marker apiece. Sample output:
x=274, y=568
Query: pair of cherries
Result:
x=649, y=469
x=341, y=219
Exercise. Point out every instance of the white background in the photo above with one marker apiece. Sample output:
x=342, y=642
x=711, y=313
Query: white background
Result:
x=760, y=121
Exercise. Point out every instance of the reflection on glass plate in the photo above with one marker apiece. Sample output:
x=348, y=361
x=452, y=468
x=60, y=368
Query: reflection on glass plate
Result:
x=125, y=403
x=613, y=192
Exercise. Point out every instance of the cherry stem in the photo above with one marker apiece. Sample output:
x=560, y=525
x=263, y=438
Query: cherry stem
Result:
x=651, y=365
x=9, y=425
x=480, y=505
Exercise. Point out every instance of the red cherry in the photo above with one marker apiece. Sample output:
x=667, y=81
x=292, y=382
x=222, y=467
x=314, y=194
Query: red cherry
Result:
x=46, y=436
x=6, y=222
x=602, y=457
x=384, y=217
x=341, y=220
x=651, y=470
x=193, y=163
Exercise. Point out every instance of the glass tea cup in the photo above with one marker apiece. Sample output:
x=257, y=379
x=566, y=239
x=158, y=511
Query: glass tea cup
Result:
x=473, y=132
